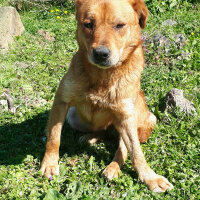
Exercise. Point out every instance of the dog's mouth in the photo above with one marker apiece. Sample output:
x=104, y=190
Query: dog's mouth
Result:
x=102, y=57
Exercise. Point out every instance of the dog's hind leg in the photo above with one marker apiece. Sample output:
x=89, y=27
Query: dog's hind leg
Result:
x=91, y=138
x=146, y=119
x=112, y=170
x=75, y=122
x=146, y=127
x=110, y=134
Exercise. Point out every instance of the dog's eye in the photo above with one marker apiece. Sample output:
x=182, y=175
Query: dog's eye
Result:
x=119, y=26
x=89, y=25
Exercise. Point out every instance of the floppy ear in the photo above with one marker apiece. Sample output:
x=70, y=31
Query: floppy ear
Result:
x=78, y=5
x=142, y=11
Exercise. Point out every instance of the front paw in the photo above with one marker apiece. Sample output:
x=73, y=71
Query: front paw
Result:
x=158, y=183
x=111, y=171
x=49, y=166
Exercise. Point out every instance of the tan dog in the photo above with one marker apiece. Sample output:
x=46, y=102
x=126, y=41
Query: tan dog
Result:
x=102, y=86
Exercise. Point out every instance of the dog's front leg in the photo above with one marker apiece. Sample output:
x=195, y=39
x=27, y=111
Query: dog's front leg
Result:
x=127, y=127
x=58, y=113
x=112, y=170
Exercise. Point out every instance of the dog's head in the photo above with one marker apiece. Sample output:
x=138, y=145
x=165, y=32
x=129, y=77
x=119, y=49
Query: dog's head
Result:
x=108, y=30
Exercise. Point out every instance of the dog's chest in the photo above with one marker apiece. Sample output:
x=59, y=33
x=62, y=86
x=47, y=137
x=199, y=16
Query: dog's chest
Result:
x=94, y=110
x=95, y=116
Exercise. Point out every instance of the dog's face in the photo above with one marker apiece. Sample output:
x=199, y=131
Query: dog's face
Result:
x=108, y=30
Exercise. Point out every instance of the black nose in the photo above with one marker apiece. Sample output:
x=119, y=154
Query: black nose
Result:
x=101, y=54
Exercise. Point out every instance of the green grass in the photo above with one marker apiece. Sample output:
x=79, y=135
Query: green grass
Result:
x=32, y=69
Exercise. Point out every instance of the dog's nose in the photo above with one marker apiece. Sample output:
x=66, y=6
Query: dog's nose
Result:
x=101, y=53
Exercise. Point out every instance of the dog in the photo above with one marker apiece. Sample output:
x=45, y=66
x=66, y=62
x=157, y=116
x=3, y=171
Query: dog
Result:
x=102, y=87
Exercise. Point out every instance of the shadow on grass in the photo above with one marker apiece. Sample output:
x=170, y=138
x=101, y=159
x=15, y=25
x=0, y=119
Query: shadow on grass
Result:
x=19, y=140
x=27, y=138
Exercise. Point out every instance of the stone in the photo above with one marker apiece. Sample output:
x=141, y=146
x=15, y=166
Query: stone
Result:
x=180, y=39
x=46, y=35
x=174, y=99
x=3, y=106
x=10, y=102
x=169, y=22
x=184, y=56
x=10, y=26
x=161, y=40
x=3, y=103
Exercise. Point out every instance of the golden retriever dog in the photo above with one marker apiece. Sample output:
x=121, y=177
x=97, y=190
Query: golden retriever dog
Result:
x=102, y=87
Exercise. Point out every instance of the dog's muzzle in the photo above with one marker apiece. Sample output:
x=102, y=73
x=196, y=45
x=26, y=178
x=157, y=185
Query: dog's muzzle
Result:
x=101, y=56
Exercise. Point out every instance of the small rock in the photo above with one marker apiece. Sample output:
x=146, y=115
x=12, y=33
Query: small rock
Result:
x=3, y=103
x=180, y=40
x=46, y=35
x=145, y=37
x=165, y=41
x=184, y=55
x=3, y=106
x=39, y=102
x=175, y=98
x=21, y=64
x=161, y=40
x=156, y=38
x=10, y=103
x=10, y=26
x=169, y=22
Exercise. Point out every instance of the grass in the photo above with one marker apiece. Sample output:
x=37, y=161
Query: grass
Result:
x=32, y=69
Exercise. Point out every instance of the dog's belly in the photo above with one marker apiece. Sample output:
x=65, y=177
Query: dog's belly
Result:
x=95, y=118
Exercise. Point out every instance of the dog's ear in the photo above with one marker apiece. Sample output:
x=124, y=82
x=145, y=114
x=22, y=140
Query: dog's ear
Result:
x=142, y=11
x=78, y=5
x=78, y=2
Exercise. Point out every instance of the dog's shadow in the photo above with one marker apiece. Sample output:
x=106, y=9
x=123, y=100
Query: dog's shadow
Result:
x=22, y=139
x=29, y=138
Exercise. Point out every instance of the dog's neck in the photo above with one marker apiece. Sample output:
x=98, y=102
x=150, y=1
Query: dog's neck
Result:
x=120, y=82
x=128, y=72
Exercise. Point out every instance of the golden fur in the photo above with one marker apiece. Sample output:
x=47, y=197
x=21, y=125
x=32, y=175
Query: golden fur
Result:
x=104, y=97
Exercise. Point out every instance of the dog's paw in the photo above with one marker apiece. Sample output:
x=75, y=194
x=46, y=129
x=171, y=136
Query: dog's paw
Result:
x=153, y=119
x=158, y=183
x=88, y=139
x=50, y=170
x=111, y=171
x=49, y=167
